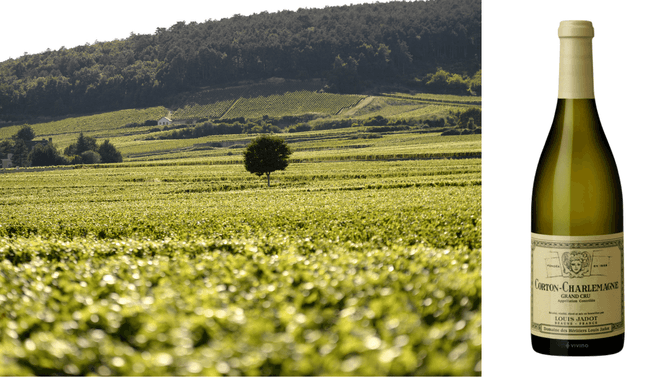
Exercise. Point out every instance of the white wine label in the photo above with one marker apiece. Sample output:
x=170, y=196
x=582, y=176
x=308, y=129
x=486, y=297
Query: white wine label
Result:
x=577, y=286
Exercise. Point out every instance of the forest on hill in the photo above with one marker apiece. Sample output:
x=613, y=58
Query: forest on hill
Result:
x=434, y=45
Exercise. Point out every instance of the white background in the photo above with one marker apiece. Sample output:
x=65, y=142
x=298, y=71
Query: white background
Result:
x=520, y=85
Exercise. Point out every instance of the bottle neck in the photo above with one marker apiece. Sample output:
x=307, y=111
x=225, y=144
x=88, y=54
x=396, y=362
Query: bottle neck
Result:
x=575, y=73
x=576, y=115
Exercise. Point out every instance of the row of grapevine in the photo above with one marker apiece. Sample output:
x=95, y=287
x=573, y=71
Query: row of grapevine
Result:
x=196, y=111
x=293, y=103
x=120, y=181
x=275, y=86
x=447, y=99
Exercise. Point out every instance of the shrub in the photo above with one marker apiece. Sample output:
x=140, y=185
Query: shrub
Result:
x=108, y=153
x=45, y=155
x=90, y=157
x=302, y=127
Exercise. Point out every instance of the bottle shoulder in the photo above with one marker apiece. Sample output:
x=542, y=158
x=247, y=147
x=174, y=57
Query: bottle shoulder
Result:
x=577, y=183
x=576, y=136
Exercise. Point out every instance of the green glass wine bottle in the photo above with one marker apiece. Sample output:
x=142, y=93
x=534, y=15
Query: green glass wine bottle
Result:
x=577, y=291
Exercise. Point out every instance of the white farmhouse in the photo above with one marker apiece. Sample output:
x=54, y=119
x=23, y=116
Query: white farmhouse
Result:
x=7, y=162
x=164, y=121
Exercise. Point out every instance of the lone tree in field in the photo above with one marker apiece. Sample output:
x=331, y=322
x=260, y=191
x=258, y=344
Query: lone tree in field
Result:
x=266, y=154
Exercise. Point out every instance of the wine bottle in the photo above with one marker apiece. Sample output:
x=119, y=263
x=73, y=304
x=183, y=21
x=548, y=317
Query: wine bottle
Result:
x=577, y=292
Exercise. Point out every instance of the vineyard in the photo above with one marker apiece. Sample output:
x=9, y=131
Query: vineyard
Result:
x=364, y=258
x=266, y=88
x=105, y=125
x=273, y=97
x=292, y=103
x=196, y=111
x=302, y=102
x=137, y=139
x=438, y=98
x=279, y=97
x=355, y=262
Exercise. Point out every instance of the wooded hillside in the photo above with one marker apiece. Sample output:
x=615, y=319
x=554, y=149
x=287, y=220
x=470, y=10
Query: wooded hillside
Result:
x=353, y=47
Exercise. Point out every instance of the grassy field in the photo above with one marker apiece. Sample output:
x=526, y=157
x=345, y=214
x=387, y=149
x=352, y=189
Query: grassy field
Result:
x=363, y=258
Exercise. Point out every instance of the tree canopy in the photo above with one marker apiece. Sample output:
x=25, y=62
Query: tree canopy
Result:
x=85, y=150
x=83, y=144
x=266, y=154
x=45, y=155
x=25, y=133
x=109, y=153
x=351, y=46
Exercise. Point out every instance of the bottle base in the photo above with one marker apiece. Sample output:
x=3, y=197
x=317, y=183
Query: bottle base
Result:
x=577, y=347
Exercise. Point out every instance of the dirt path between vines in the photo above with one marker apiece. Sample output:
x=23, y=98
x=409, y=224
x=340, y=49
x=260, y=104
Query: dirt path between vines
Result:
x=352, y=111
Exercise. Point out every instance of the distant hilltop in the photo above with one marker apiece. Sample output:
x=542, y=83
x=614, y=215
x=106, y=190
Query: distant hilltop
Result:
x=349, y=48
